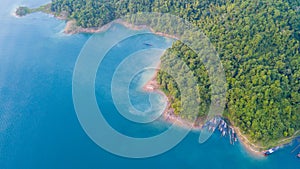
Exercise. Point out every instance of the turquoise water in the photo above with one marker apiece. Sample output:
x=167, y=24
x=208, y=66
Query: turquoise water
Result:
x=38, y=124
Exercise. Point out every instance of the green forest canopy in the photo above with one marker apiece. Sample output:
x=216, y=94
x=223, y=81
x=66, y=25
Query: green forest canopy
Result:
x=258, y=42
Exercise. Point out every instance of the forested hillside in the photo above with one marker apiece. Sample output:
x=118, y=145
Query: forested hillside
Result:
x=258, y=42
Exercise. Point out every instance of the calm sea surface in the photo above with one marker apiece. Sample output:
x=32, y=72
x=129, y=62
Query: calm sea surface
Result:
x=38, y=124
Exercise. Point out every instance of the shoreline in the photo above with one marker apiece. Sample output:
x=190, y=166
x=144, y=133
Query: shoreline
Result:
x=152, y=85
x=168, y=113
x=169, y=117
x=71, y=28
x=248, y=145
x=14, y=13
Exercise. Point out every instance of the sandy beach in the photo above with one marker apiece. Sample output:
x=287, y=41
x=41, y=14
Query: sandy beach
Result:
x=248, y=145
x=152, y=85
x=169, y=116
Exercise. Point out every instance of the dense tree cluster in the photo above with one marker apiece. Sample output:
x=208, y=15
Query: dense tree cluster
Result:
x=258, y=42
x=22, y=11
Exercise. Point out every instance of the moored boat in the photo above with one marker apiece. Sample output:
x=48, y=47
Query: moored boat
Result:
x=235, y=137
x=271, y=151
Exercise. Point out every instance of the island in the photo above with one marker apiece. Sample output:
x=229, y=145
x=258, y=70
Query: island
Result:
x=259, y=46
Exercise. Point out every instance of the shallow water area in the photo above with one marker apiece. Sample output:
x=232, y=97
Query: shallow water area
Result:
x=38, y=124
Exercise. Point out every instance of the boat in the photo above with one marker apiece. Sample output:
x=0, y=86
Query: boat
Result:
x=271, y=151
x=298, y=155
x=148, y=44
x=224, y=133
x=235, y=137
x=222, y=122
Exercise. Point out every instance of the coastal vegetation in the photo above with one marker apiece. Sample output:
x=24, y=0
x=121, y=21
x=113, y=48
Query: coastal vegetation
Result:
x=258, y=42
x=23, y=10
